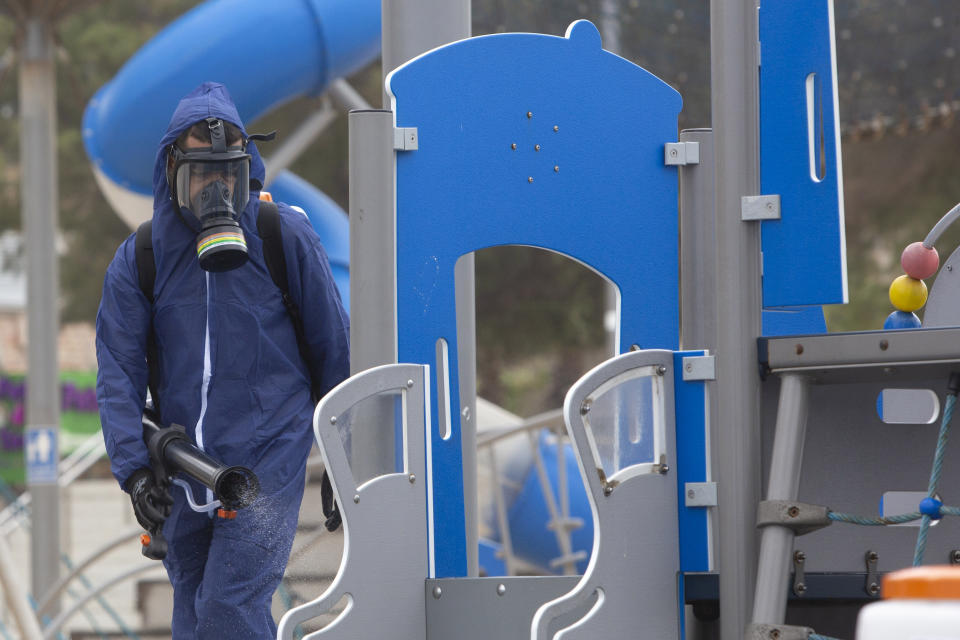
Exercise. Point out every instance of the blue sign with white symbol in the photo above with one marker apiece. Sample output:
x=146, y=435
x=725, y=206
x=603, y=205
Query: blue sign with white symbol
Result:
x=42, y=455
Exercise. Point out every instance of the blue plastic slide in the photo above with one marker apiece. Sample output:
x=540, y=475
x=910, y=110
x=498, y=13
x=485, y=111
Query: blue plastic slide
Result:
x=266, y=53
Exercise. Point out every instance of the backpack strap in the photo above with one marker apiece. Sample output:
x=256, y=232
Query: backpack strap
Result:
x=268, y=226
x=147, y=275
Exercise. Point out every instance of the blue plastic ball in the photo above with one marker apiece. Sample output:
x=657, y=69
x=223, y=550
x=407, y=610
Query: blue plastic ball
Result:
x=902, y=320
x=931, y=507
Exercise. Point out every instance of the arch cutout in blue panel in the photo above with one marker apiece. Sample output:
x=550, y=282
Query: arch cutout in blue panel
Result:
x=531, y=140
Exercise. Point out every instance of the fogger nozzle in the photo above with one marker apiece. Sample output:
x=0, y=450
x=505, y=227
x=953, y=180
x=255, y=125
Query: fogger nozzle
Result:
x=236, y=487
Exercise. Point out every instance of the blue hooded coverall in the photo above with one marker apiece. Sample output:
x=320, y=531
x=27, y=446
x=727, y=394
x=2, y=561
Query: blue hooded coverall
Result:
x=232, y=374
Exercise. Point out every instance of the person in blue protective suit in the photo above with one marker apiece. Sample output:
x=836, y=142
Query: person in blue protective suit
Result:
x=230, y=366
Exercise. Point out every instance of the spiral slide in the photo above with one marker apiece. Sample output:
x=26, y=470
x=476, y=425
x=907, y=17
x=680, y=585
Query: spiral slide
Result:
x=266, y=53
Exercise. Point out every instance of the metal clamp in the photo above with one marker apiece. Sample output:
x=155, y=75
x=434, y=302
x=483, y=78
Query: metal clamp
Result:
x=699, y=368
x=800, y=517
x=678, y=154
x=799, y=585
x=872, y=586
x=405, y=139
x=757, y=631
x=700, y=494
x=760, y=208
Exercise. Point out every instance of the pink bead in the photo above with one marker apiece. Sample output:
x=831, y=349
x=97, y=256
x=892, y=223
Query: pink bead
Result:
x=919, y=262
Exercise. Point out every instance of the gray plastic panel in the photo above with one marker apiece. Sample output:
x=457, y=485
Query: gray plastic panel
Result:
x=486, y=608
x=851, y=458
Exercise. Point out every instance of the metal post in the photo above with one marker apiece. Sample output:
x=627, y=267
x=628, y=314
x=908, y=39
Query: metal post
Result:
x=734, y=104
x=373, y=331
x=698, y=247
x=38, y=162
x=776, y=543
x=412, y=27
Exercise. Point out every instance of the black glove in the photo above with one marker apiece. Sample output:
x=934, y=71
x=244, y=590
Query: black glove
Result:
x=151, y=502
x=331, y=510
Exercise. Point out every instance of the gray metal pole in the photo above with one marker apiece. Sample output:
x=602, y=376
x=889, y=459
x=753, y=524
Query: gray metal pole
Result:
x=412, y=27
x=776, y=543
x=734, y=104
x=698, y=247
x=38, y=161
x=373, y=335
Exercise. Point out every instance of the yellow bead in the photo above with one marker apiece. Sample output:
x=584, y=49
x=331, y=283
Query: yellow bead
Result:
x=908, y=294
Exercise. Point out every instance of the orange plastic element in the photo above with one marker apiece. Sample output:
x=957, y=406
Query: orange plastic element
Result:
x=923, y=583
x=145, y=539
x=265, y=196
x=226, y=514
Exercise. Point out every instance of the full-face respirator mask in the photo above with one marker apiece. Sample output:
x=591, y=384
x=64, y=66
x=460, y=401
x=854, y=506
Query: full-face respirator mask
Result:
x=212, y=185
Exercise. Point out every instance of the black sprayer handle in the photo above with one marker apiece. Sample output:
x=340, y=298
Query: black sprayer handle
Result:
x=154, y=545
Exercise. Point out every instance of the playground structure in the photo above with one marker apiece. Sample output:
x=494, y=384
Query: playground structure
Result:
x=478, y=149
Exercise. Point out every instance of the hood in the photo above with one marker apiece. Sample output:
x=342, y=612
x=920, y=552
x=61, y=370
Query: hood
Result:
x=210, y=99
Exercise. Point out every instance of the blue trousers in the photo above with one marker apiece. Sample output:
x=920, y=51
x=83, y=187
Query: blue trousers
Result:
x=224, y=572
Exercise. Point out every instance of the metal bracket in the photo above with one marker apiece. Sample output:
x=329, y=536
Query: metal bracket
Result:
x=872, y=586
x=800, y=517
x=699, y=368
x=799, y=586
x=760, y=208
x=405, y=139
x=776, y=632
x=681, y=153
x=700, y=494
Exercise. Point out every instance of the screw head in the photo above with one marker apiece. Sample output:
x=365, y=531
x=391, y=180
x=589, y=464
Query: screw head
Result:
x=799, y=556
x=799, y=349
x=556, y=168
x=437, y=592
x=955, y=556
x=529, y=114
x=884, y=345
x=356, y=499
x=688, y=367
x=800, y=588
x=501, y=589
x=585, y=407
x=530, y=179
x=333, y=419
x=536, y=147
x=873, y=589
x=607, y=489
x=514, y=146
x=465, y=413
x=673, y=153
x=409, y=383
x=556, y=128
x=775, y=634
x=661, y=370
x=793, y=512
x=691, y=493
x=412, y=478
x=872, y=556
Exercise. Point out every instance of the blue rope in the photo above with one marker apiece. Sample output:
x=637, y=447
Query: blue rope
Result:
x=817, y=636
x=836, y=516
x=935, y=476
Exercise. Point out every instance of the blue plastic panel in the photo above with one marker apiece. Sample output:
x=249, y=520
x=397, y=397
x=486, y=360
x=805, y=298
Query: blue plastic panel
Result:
x=690, y=399
x=596, y=190
x=804, y=253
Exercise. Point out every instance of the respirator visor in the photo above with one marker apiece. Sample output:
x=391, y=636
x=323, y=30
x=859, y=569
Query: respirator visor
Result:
x=212, y=187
